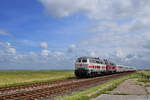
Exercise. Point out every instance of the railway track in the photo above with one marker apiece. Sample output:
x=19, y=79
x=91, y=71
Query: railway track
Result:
x=47, y=89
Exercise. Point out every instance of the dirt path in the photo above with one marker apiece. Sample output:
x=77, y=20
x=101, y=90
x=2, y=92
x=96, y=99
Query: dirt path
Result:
x=129, y=87
x=129, y=90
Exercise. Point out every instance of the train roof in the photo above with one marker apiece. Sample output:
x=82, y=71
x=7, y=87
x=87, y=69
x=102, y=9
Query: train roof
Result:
x=89, y=58
x=126, y=66
x=95, y=58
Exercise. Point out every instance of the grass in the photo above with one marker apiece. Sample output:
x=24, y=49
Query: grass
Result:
x=144, y=76
x=145, y=72
x=20, y=77
x=147, y=85
x=84, y=94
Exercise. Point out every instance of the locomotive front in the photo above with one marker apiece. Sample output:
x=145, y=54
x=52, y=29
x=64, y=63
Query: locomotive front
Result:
x=81, y=67
x=89, y=67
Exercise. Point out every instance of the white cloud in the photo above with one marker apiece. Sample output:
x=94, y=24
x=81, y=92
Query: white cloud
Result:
x=95, y=8
x=5, y=44
x=9, y=44
x=12, y=50
x=92, y=54
x=45, y=52
x=120, y=54
x=44, y=45
x=73, y=46
x=120, y=32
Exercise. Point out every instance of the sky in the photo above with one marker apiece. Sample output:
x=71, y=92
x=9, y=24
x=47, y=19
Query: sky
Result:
x=52, y=34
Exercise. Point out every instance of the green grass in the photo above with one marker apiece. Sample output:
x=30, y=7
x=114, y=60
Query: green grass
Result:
x=145, y=72
x=19, y=77
x=144, y=75
x=84, y=94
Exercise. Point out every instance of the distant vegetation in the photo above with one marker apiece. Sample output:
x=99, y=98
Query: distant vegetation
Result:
x=145, y=76
x=9, y=78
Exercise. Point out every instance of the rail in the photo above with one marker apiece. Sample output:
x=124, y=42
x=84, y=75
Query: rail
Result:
x=35, y=93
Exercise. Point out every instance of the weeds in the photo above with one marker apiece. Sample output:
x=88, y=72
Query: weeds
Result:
x=144, y=76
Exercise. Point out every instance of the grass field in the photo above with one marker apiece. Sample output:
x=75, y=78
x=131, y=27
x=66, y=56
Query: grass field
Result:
x=9, y=78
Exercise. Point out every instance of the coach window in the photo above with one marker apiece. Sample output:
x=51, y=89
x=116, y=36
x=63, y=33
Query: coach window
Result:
x=98, y=62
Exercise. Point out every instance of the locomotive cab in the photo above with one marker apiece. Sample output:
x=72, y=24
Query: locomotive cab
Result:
x=81, y=67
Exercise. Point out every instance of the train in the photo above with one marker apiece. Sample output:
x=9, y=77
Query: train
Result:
x=94, y=66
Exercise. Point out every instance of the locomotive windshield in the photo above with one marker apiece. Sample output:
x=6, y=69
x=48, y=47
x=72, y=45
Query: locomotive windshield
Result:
x=78, y=60
x=84, y=60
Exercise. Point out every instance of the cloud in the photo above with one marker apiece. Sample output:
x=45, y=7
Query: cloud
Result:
x=9, y=44
x=10, y=59
x=12, y=50
x=98, y=9
x=45, y=52
x=92, y=54
x=44, y=45
x=7, y=48
x=119, y=31
x=125, y=43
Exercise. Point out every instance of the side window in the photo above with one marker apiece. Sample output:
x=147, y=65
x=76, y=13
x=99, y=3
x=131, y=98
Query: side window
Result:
x=92, y=61
x=79, y=60
x=101, y=62
x=111, y=63
x=98, y=62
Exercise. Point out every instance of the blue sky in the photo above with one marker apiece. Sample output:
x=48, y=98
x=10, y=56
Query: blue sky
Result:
x=51, y=34
x=26, y=21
